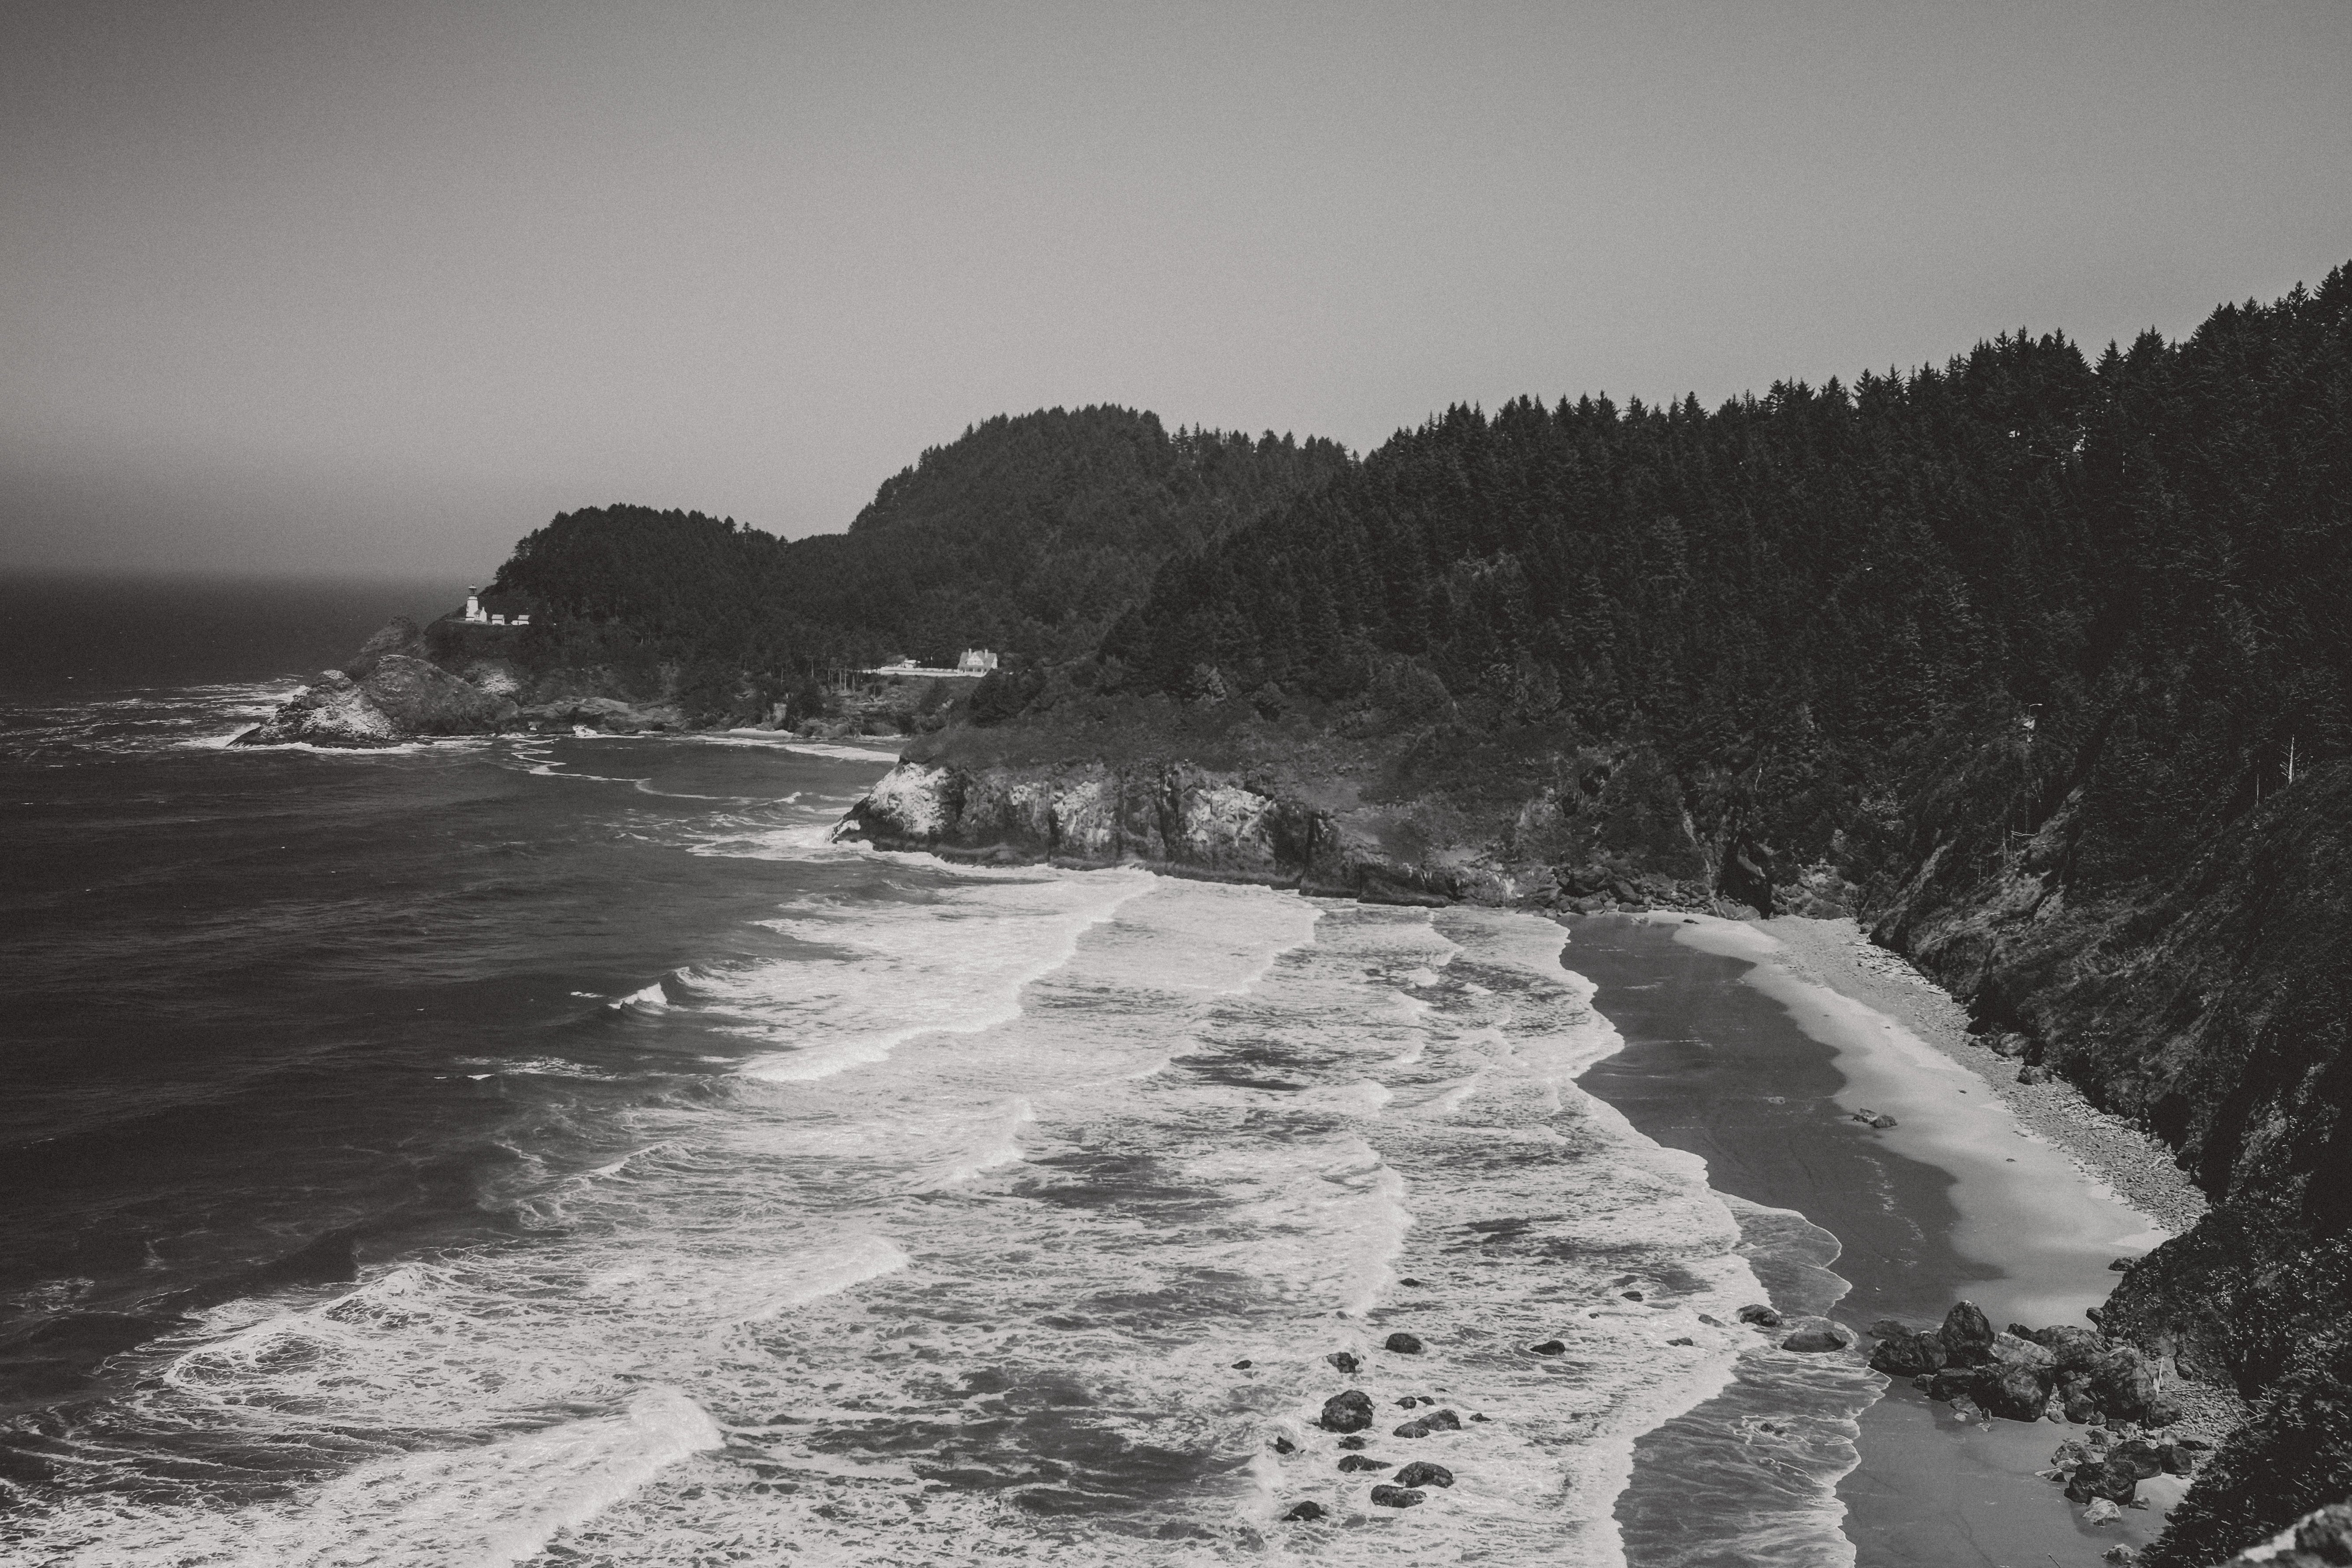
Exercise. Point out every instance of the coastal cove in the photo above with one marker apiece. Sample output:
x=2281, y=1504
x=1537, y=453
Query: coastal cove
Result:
x=1024, y=1159
x=1752, y=1045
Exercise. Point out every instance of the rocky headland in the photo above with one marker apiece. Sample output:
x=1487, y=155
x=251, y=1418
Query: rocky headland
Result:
x=447, y=679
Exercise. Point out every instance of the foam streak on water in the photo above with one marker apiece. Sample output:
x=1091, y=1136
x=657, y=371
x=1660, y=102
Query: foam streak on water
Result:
x=953, y=1259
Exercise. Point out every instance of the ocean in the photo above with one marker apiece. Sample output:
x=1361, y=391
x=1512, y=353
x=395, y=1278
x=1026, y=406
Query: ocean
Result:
x=557, y=1150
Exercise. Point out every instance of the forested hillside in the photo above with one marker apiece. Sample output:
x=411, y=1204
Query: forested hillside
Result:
x=1028, y=535
x=1921, y=607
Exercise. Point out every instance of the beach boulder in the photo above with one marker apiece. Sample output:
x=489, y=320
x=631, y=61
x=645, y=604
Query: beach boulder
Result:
x=2123, y=1383
x=1967, y=1334
x=1354, y=1462
x=2104, y=1475
x=1951, y=1383
x=2017, y=1393
x=1402, y=1344
x=1345, y=1360
x=1550, y=1347
x=1348, y=1412
x=1815, y=1337
x=2101, y=1511
x=1436, y=1421
x=1304, y=1513
x=1907, y=1354
x=2013, y=1350
x=1398, y=1496
x=1763, y=1317
x=1421, y=1473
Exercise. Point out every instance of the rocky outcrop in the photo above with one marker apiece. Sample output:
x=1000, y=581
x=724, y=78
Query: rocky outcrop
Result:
x=402, y=698
x=402, y=684
x=333, y=710
x=400, y=635
x=2025, y=1374
x=422, y=698
x=1172, y=817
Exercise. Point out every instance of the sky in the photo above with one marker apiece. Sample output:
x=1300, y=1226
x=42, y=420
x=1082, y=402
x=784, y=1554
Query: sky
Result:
x=377, y=288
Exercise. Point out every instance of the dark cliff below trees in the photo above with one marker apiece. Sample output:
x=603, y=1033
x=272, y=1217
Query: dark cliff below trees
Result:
x=2039, y=665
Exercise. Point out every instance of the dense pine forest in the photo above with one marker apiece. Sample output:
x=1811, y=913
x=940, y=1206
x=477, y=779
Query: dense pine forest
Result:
x=1031, y=534
x=1852, y=618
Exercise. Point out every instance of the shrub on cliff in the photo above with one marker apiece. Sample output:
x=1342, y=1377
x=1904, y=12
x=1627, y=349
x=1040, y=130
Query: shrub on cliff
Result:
x=2295, y=1456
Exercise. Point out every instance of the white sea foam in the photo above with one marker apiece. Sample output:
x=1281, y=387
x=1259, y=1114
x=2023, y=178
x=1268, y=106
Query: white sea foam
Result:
x=957, y=1267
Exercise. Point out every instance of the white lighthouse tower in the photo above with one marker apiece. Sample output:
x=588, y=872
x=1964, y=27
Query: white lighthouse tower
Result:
x=473, y=614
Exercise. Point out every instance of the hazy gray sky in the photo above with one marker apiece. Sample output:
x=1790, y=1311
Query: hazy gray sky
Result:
x=317, y=285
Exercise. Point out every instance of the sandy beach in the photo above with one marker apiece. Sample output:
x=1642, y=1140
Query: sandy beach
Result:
x=1754, y=1044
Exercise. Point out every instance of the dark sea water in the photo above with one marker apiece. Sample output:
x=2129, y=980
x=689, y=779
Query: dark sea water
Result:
x=557, y=1151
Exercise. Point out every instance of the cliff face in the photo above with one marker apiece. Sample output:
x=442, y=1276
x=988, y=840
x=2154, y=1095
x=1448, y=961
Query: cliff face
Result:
x=1172, y=815
x=2214, y=1006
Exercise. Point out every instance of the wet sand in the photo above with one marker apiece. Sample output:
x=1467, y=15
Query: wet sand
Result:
x=1740, y=1051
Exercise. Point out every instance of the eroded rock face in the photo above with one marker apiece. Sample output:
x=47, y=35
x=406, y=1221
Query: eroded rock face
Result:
x=1908, y=1354
x=333, y=710
x=2018, y=1393
x=422, y=698
x=1967, y=1334
x=2123, y=1384
x=1172, y=815
x=400, y=635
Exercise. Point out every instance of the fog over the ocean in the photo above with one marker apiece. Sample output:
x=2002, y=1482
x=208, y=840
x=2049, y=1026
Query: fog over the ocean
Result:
x=296, y=288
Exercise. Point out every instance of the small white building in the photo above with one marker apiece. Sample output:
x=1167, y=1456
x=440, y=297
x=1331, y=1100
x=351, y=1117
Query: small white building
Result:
x=974, y=661
x=478, y=617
